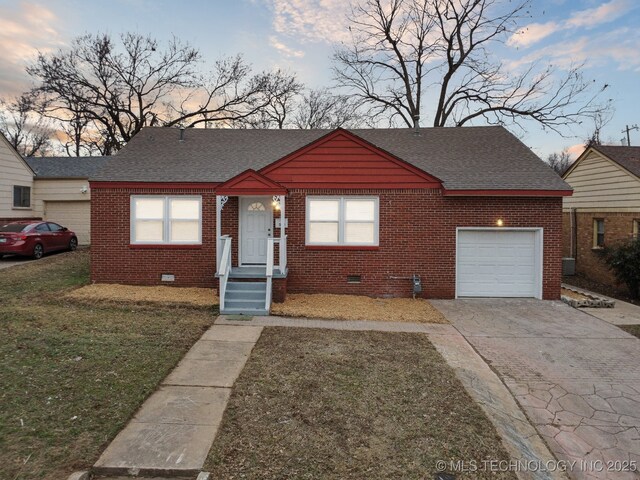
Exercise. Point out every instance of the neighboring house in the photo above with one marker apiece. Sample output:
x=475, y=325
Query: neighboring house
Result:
x=61, y=191
x=604, y=208
x=52, y=188
x=462, y=212
x=16, y=185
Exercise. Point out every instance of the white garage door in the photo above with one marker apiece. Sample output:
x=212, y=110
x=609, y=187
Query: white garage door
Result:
x=499, y=263
x=75, y=216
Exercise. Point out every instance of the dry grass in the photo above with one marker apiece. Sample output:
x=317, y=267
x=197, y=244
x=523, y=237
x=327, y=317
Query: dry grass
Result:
x=199, y=297
x=575, y=295
x=327, y=404
x=74, y=372
x=354, y=307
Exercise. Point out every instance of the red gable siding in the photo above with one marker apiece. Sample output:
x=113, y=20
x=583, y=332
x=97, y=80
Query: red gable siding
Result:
x=342, y=160
x=250, y=182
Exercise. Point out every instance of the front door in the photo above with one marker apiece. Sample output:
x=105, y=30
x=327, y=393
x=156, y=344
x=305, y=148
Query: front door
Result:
x=256, y=219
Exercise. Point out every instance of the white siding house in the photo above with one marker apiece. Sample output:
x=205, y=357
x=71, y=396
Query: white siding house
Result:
x=16, y=184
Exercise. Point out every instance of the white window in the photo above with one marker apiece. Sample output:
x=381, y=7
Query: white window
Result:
x=170, y=220
x=342, y=221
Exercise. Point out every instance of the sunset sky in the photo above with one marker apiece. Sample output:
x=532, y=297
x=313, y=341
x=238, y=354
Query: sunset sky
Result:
x=300, y=35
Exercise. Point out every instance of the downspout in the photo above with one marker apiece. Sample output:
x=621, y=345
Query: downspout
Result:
x=574, y=233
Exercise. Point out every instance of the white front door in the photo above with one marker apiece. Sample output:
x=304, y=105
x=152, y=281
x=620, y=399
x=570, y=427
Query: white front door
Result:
x=256, y=219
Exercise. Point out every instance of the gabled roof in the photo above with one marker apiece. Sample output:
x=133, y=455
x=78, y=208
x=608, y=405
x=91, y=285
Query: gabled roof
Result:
x=250, y=182
x=627, y=157
x=467, y=158
x=15, y=152
x=66, y=167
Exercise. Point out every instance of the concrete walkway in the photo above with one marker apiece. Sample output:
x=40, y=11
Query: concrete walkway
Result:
x=576, y=376
x=519, y=437
x=624, y=313
x=174, y=429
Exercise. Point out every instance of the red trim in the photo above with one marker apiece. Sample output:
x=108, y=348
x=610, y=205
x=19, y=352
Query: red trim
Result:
x=508, y=193
x=167, y=185
x=164, y=246
x=233, y=186
x=360, y=141
x=342, y=247
x=363, y=186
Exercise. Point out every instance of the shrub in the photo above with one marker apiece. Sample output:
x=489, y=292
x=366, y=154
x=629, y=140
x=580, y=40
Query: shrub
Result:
x=624, y=260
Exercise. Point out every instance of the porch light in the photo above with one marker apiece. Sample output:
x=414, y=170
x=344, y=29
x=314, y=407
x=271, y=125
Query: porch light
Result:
x=499, y=222
x=276, y=202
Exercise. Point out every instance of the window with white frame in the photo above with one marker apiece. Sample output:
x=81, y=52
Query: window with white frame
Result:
x=166, y=220
x=342, y=221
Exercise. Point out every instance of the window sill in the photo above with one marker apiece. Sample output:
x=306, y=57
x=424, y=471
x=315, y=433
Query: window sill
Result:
x=342, y=247
x=164, y=246
x=21, y=208
x=597, y=249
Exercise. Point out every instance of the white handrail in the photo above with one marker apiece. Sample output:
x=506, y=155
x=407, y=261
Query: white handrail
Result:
x=270, y=247
x=225, y=268
x=283, y=254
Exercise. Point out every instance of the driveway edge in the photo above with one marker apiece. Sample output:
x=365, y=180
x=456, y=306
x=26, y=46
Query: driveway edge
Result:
x=520, y=438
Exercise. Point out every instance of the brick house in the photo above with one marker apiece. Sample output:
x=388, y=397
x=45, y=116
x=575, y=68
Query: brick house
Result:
x=441, y=213
x=604, y=208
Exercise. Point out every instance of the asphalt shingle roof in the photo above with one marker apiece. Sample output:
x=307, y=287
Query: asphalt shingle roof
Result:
x=628, y=157
x=463, y=158
x=66, y=167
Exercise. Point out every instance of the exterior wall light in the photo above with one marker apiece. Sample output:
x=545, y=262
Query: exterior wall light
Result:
x=499, y=222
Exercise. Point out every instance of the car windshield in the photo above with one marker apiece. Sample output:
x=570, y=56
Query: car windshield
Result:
x=13, y=227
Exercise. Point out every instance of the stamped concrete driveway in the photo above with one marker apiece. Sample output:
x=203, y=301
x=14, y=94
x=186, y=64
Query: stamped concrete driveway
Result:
x=577, y=377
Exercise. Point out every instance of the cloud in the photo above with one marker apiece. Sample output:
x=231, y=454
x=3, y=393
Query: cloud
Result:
x=284, y=49
x=311, y=20
x=25, y=29
x=619, y=46
x=531, y=34
x=606, y=12
x=575, y=150
x=589, y=18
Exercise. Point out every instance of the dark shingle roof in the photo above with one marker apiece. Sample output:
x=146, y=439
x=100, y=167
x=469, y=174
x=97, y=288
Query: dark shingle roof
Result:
x=463, y=158
x=628, y=157
x=66, y=167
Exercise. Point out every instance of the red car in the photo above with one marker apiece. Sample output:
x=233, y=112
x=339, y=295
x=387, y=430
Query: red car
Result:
x=35, y=238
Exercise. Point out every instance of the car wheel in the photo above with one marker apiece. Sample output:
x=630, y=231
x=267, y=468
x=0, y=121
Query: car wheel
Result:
x=38, y=251
x=73, y=244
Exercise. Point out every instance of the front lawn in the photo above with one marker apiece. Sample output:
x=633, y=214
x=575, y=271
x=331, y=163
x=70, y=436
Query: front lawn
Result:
x=632, y=329
x=73, y=374
x=339, y=404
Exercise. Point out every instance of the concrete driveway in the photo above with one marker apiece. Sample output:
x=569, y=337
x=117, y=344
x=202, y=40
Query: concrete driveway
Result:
x=577, y=377
x=12, y=260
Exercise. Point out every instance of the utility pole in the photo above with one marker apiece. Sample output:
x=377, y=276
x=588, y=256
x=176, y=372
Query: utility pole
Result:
x=627, y=130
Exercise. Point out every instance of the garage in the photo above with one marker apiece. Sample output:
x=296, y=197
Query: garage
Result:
x=75, y=216
x=499, y=262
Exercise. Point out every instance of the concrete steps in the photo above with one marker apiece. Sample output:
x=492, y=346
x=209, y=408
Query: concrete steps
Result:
x=245, y=297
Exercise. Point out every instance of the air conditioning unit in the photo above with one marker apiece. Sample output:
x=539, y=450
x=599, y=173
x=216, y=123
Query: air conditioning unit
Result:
x=568, y=266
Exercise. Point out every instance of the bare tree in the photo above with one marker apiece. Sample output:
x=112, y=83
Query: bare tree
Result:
x=600, y=120
x=112, y=91
x=283, y=90
x=405, y=54
x=323, y=109
x=559, y=162
x=27, y=131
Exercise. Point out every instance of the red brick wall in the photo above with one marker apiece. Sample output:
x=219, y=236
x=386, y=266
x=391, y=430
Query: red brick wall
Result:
x=617, y=226
x=417, y=236
x=113, y=260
